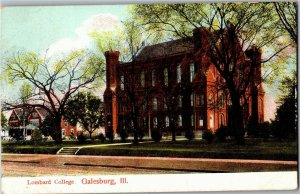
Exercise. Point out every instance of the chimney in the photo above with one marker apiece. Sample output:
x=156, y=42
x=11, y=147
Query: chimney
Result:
x=112, y=60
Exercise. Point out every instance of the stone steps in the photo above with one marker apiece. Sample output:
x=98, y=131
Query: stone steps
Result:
x=68, y=151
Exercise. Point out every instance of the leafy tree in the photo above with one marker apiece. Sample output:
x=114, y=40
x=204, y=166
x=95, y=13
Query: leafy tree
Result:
x=3, y=120
x=287, y=13
x=36, y=137
x=53, y=81
x=25, y=92
x=242, y=28
x=129, y=40
x=87, y=110
x=286, y=115
x=47, y=127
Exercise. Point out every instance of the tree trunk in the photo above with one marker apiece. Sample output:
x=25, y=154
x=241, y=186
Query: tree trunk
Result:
x=172, y=126
x=57, y=131
x=135, y=131
x=237, y=116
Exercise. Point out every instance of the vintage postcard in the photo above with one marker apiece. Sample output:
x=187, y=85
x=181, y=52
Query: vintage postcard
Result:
x=160, y=97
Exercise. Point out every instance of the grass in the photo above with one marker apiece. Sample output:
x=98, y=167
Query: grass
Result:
x=254, y=149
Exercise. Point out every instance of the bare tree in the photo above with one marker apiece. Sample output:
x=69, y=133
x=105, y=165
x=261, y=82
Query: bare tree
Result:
x=53, y=81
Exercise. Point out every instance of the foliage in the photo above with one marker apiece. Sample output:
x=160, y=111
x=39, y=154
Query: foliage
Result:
x=3, y=120
x=287, y=13
x=101, y=137
x=262, y=130
x=81, y=137
x=223, y=132
x=87, y=110
x=208, y=136
x=36, y=137
x=189, y=134
x=47, y=126
x=16, y=133
x=25, y=92
x=54, y=81
x=110, y=134
x=124, y=135
x=156, y=135
x=286, y=114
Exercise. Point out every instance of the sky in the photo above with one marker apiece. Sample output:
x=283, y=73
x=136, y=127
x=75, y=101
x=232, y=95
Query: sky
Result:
x=61, y=29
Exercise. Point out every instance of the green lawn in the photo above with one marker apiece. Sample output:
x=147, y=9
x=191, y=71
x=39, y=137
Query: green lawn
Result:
x=254, y=149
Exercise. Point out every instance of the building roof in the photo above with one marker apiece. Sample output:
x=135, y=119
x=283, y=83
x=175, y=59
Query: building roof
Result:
x=42, y=112
x=164, y=49
x=20, y=112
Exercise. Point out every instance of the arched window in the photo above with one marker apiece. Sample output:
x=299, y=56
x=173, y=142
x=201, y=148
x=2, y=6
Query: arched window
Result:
x=178, y=73
x=222, y=120
x=166, y=77
x=153, y=76
x=155, y=122
x=154, y=103
x=192, y=71
x=179, y=121
x=211, y=121
x=167, y=121
x=143, y=79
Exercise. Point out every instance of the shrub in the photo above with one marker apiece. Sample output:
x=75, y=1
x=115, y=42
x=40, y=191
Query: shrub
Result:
x=110, y=134
x=141, y=134
x=81, y=137
x=156, y=135
x=222, y=133
x=208, y=136
x=124, y=135
x=101, y=137
x=36, y=137
x=189, y=134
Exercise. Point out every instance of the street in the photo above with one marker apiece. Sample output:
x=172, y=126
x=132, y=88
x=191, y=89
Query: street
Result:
x=45, y=165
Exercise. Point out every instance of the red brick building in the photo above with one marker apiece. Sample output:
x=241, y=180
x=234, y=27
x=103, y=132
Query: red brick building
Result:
x=169, y=82
x=31, y=118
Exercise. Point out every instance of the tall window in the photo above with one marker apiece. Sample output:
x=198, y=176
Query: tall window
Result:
x=165, y=103
x=179, y=121
x=178, y=73
x=222, y=120
x=192, y=71
x=166, y=77
x=192, y=120
x=201, y=121
x=155, y=122
x=192, y=99
x=222, y=101
x=153, y=76
x=154, y=103
x=179, y=101
x=143, y=79
x=167, y=121
x=122, y=82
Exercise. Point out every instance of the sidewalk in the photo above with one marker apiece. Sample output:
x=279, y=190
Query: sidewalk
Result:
x=157, y=163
